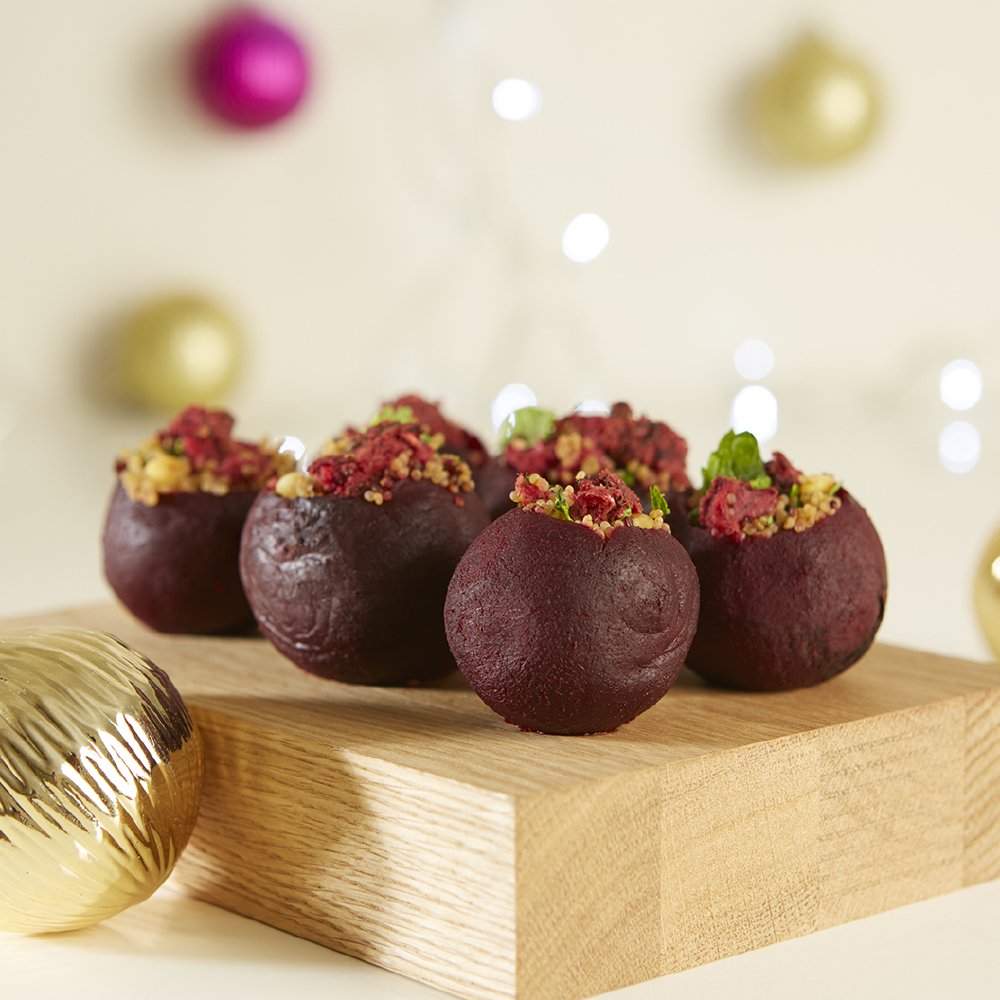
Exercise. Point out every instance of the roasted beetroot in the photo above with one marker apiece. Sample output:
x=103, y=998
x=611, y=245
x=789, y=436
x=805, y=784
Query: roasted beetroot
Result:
x=172, y=537
x=346, y=568
x=175, y=566
x=578, y=621
x=494, y=482
x=793, y=575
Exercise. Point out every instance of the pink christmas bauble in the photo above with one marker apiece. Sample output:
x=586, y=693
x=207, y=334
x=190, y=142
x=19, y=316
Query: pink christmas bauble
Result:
x=249, y=70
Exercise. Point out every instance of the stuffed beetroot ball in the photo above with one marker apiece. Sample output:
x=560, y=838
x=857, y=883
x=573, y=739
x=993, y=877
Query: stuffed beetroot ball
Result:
x=573, y=613
x=792, y=572
x=346, y=567
x=172, y=535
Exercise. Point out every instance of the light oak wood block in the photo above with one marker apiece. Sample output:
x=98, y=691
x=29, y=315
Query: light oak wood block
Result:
x=413, y=828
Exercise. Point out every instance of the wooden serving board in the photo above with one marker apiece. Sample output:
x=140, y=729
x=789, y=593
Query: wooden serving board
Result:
x=413, y=828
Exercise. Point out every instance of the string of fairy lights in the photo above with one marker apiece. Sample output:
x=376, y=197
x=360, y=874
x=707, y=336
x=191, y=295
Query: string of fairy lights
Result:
x=755, y=407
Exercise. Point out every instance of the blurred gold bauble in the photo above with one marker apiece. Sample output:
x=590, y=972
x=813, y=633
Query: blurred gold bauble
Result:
x=986, y=593
x=176, y=351
x=816, y=105
x=100, y=778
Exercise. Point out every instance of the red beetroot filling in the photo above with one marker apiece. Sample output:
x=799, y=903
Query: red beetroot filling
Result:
x=604, y=497
x=613, y=442
x=626, y=439
x=455, y=436
x=783, y=474
x=382, y=456
x=727, y=503
x=205, y=437
x=543, y=457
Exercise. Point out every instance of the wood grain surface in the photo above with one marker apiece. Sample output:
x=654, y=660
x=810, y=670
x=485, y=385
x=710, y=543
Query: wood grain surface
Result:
x=413, y=828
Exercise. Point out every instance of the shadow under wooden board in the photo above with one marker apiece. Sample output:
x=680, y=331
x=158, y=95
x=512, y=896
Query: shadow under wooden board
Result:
x=413, y=828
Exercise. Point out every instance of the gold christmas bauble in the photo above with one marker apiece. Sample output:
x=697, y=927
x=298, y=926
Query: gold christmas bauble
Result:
x=100, y=778
x=178, y=350
x=986, y=593
x=816, y=105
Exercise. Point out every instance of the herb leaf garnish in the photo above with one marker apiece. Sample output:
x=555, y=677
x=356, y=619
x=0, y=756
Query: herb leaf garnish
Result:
x=560, y=508
x=656, y=500
x=530, y=422
x=399, y=415
x=737, y=457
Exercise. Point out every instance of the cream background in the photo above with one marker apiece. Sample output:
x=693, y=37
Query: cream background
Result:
x=397, y=234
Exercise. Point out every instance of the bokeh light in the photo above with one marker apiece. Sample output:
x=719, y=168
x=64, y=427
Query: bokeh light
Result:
x=843, y=102
x=516, y=100
x=753, y=359
x=961, y=385
x=294, y=445
x=585, y=237
x=959, y=447
x=593, y=407
x=755, y=409
x=510, y=398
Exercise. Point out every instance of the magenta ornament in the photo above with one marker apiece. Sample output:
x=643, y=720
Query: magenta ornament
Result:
x=249, y=70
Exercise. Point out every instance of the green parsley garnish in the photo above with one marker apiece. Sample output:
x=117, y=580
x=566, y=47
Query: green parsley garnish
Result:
x=560, y=509
x=531, y=423
x=656, y=501
x=737, y=457
x=399, y=415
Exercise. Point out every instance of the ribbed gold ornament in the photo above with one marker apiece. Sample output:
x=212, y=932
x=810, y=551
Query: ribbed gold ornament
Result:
x=986, y=592
x=100, y=778
x=816, y=105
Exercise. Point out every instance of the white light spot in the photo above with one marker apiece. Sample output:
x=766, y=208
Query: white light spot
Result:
x=510, y=398
x=201, y=350
x=844, y=103
x=754, y=359
x=961, y=385
x=959, y=447
x=593, y=408
x=585, y=237
x=516, y=100
x=995, y=569
x=294, y=445
x=755, y=410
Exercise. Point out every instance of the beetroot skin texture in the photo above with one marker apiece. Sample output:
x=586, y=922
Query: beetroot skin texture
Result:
x=353, y=591
x=494, y=482
x=788, y=611
x=175, y=566
x=560, y=631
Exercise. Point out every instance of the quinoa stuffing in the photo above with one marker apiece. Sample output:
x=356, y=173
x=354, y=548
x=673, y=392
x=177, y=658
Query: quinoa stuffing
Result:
x=456, y=438
x=640, y=451
x=370, y=463
x=601, y=502
x=196, y=452
x=744, y=497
